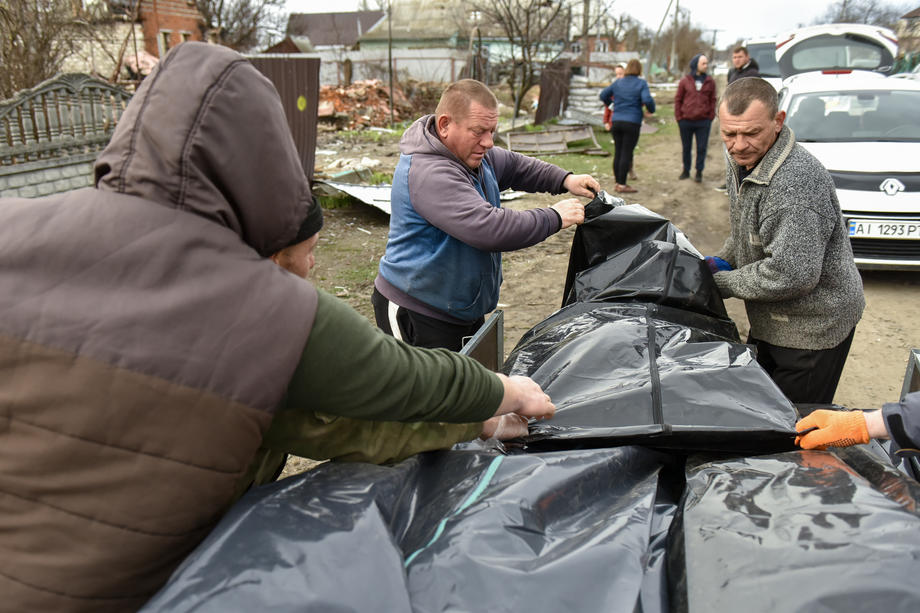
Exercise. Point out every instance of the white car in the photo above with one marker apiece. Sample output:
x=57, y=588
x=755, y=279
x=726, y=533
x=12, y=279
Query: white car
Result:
x=913, y=74
x=836, y=46
x=865, y=128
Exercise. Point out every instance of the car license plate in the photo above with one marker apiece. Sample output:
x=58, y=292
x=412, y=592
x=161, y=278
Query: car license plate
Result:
x=884, y=228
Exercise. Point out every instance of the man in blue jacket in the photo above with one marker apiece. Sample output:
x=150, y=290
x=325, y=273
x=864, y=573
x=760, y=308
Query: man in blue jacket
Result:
x=441, y=272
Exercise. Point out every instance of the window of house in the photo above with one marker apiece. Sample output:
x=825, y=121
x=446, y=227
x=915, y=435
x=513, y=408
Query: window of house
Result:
x=601, y=46
x=165, y=36
x=186, y=36
x=576, y=47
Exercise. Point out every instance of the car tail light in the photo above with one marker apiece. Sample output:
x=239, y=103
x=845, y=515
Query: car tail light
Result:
x=837, y=71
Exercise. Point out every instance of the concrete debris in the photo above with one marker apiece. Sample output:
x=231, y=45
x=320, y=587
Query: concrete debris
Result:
x=350, y=164
x=363, y=104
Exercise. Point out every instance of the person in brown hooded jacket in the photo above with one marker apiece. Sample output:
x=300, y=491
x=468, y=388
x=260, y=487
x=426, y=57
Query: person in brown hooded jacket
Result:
x=147, y=341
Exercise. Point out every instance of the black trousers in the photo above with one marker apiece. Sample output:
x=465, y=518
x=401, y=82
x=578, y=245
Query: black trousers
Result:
x=803, y=375
x=420, y=330
x=625, y=138
x=690, y=129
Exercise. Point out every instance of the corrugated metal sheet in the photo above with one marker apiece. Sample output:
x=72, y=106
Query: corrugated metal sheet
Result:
x=297, y=80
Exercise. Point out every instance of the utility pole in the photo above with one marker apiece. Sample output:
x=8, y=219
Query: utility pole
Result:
x=712, y=51
x=672, y=65
x=390, y=54
x=648, y=68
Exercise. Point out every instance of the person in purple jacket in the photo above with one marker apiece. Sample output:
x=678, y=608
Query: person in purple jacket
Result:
x=441, y=271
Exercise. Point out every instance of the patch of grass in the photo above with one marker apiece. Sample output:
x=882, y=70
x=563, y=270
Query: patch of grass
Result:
x=381, y=178
x=337, y=201
x=358, y=274
x=582, y=163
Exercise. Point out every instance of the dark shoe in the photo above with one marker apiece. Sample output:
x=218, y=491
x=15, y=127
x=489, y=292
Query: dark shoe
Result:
x=722, y=188
x=684, y=175
x=699, y=176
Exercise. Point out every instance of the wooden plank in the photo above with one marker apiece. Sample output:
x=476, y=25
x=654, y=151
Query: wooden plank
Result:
x=554, y=139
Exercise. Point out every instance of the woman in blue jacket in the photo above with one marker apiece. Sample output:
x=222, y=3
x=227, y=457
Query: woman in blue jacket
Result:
x=627, y=94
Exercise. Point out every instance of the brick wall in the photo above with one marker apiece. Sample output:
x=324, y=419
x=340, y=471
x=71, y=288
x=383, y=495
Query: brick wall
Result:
x=45, y=177
x=168, y=23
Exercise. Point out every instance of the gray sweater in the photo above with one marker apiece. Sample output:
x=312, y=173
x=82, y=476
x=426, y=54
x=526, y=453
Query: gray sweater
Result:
x=793, y=265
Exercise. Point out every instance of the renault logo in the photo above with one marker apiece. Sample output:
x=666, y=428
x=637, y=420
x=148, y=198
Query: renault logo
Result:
x=891, y=186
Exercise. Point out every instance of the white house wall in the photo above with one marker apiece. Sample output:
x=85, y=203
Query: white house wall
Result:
x=436, y=64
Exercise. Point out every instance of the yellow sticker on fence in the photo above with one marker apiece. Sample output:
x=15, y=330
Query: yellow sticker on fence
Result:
x=301, y=103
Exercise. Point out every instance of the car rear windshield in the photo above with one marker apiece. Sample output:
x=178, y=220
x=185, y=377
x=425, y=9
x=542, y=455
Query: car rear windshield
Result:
x=838, y=52
x=765, y=56
x=855, y=116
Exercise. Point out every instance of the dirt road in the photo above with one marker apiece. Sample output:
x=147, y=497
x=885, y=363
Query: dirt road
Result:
x=355, y=237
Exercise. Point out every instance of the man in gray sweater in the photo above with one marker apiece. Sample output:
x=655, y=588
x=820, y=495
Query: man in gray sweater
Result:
x=787, y=255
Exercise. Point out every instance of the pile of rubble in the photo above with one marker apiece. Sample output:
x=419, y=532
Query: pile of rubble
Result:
x=363, y=104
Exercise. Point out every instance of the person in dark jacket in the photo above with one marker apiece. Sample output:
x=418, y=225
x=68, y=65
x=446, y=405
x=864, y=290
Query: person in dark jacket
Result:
x=442, y=270
x=694, y=109
x=628, y=95
x=898, y=421
x=742, y=65
x=148, y=341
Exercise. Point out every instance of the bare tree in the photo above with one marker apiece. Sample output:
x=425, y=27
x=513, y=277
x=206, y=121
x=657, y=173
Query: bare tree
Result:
x=35, y=37
x=872, y=12
x=537, y=31
x=689, y=42
x=242, y=24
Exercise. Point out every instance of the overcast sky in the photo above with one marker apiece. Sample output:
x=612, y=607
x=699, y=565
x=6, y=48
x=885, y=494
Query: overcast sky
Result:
x=734, y=20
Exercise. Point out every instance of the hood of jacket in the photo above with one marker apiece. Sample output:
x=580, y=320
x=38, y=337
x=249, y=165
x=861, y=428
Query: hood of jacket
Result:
x=694, y=67
x=205, y=159
x=145, y=344
x=421, y=137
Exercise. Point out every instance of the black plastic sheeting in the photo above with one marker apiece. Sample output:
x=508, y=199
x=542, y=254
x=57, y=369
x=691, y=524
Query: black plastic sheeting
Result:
x=666, y=482
x=619, y=366
x=453, y=531
x=628, y=253
x=627, y=371
x=800, y=531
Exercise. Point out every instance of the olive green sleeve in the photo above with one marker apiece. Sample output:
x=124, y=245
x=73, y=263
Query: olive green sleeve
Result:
x=351, y=369
x=328, y=437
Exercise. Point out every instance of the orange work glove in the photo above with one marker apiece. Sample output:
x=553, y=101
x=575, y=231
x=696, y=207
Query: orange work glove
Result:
x=834, y=429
